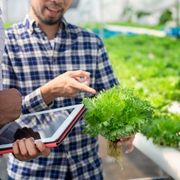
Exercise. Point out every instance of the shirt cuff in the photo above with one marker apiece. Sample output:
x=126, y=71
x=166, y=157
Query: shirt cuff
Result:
x=34, y=102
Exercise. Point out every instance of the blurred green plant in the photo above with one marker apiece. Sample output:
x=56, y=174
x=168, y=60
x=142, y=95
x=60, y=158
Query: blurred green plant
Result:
x=7, y=25
x=164, y=130
x=165, y=16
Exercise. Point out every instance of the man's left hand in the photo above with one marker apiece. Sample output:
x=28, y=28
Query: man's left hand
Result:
x=127, y=142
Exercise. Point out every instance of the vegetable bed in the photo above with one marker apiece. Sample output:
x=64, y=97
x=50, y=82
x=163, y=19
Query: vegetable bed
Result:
x=151, y=67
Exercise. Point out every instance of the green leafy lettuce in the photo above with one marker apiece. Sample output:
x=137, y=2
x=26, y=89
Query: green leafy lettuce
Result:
x=116, y=113
x=164, y=130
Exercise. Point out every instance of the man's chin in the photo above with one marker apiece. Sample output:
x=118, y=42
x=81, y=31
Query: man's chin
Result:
x=52, y=22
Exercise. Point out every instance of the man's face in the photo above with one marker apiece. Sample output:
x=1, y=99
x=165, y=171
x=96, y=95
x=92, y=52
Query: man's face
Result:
x=49, y=11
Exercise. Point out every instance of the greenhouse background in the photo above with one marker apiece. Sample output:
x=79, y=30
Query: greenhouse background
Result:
x=142, y=38
x=141, y=11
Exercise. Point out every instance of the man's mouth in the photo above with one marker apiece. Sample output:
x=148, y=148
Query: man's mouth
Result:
x=54, y=10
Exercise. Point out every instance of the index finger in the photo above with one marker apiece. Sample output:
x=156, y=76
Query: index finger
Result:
x=83, y=87
x=80, y=73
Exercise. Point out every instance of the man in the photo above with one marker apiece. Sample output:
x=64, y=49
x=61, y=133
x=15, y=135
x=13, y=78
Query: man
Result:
x=38, y=50
x=10, y=108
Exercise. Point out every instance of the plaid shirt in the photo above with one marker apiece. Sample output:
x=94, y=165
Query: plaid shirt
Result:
x=1, y=46
x=30, y=60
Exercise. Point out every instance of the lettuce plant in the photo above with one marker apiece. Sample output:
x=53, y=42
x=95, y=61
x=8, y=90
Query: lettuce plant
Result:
x=116, y=113
x=164, y=130
x=119, y=112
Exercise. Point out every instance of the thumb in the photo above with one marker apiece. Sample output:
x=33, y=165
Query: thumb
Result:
x=42, y=148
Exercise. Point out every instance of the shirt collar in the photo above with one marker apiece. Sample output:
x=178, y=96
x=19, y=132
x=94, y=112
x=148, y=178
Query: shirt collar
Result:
x=32, y=25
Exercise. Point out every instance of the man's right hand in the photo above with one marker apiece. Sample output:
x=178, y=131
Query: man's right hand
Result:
x=10, y=106
x=68, y=84
x=25, y=147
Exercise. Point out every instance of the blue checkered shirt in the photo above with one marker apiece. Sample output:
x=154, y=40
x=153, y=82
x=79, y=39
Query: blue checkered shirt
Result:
x=30, y=61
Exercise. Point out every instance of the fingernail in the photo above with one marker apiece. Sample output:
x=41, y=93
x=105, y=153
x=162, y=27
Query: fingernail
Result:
x=32, y=138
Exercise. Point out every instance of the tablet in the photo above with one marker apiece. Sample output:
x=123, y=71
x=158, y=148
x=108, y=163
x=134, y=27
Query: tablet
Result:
x=58, y=124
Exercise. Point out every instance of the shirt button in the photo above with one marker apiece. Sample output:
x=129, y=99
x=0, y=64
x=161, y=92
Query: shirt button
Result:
x=68, y=155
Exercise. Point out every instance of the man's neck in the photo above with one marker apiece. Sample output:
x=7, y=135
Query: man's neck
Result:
x=50, y=30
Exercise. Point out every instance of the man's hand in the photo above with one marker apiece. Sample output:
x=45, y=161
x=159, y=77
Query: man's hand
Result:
x=68, y=84
x=27, y=149
x=127, y=142
x=10, y=106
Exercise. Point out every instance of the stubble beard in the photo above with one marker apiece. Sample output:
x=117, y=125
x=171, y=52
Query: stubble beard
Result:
x=48, y=21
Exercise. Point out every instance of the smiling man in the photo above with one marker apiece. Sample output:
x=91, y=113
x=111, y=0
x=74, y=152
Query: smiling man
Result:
x=37, y=53
x=49, y=13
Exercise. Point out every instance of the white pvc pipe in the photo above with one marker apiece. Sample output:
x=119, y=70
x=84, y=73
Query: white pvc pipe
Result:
x=136, y=30
x=166, y=158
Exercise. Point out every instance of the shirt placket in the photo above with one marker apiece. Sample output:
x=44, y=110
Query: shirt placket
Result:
x=50, y=53
x=47, y=45
x=51, y=50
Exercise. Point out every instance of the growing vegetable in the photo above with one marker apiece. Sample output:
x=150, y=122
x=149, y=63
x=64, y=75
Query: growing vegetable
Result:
x=116, y=113
x=164, y=130
x=151, y=66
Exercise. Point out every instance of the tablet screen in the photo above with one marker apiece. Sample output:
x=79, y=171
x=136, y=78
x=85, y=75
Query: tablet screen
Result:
x=52, y=124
